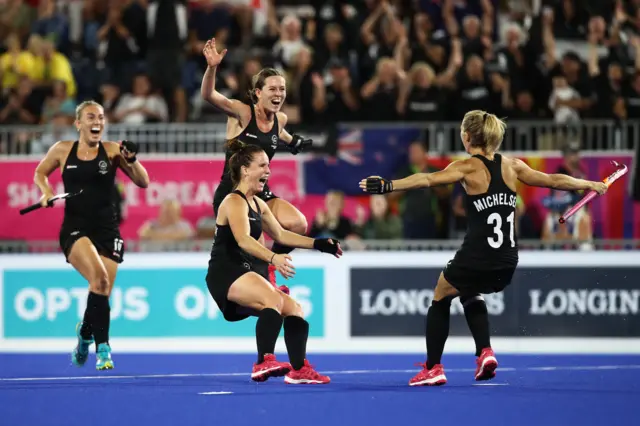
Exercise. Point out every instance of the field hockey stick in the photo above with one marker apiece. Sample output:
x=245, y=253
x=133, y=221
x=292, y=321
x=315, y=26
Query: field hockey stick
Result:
x=50, y=202
x=621, y=170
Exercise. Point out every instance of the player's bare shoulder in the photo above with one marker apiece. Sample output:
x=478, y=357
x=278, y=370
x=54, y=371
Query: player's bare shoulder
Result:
x=60, y=150
x=282, y=120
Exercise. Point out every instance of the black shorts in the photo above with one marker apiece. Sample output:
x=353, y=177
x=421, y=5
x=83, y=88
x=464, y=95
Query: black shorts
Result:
x=471, y=281
x=220, y=277
x=107, y=241
x=225, y=188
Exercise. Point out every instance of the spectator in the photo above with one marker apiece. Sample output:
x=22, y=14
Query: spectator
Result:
x=52, y=25
x=290, y=43
x=169, y=226
x=382, y=224
x=142, y=105
x=421, y=209
x=14, y=64
x=56, y=67
x=334, y=98
x=380, y=94
x=331, y=222
x=59, y=104
x=121, y=43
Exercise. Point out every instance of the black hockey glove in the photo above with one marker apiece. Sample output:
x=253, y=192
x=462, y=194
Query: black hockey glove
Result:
x=299, y=144
x=327, y=245
x=378, y=185
x=132, y=148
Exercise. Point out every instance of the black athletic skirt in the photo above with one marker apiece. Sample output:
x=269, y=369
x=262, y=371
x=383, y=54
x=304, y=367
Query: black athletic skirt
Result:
x=469, y=280
x=220, y=277
x=107, y=240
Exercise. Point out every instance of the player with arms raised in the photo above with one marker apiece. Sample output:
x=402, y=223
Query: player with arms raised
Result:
x=488, y=257
x=259, y=123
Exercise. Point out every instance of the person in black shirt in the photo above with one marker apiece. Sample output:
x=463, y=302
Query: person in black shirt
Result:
x=233, y=283
x=488, y=257
x=90, y=236
x=259, y=123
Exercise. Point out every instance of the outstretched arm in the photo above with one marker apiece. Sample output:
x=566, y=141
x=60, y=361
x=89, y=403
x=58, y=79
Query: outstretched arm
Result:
x=563, y=182
x=454, y=172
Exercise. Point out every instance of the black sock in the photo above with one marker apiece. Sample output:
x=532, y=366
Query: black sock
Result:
x=85, y=328
x=437, y=330
x=267, y=331
x=100, y=314
x=278, y=248
x=475, y=310
x=296, y=333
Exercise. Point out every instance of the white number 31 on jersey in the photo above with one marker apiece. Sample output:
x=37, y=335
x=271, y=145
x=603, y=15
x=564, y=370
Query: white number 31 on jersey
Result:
x=495, y=220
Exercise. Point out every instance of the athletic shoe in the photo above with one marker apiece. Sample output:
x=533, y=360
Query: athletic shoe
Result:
x=270, y=367
x=487, y=365
x=81, y=351
x=103, y=357
x=306, y=376
x=426, y=377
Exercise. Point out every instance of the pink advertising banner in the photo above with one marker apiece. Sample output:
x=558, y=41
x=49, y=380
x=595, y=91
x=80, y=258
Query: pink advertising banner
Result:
x=192, y=182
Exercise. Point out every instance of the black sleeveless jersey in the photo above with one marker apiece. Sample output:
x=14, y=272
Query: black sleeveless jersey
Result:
x=97, y=205
x=225, y=248
x=251, y=135
x=490, y=242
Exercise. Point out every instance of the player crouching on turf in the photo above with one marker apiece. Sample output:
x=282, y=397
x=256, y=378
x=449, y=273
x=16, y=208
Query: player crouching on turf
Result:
x=238, y=290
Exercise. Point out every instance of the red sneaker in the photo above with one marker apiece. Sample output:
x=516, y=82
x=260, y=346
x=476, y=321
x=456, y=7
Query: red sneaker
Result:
x=487, y=365
x=433, y=377
x=270, y=367
x=306, y=376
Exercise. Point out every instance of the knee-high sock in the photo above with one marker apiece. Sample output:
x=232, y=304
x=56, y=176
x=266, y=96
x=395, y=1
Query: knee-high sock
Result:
x=437, y=330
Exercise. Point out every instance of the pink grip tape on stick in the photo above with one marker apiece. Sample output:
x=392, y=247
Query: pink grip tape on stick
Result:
x=621, y=170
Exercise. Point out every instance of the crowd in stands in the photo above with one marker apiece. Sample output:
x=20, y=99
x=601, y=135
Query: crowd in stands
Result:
x=378, y=60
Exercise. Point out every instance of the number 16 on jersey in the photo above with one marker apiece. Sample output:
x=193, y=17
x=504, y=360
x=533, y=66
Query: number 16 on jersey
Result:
x=496, y=221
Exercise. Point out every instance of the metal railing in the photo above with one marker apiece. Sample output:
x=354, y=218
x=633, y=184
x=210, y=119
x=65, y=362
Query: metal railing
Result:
x=136, y=246
x=443, y=137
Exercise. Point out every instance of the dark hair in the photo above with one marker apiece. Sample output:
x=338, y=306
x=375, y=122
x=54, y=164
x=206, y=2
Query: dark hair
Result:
x=242, y=156
x=257, y=82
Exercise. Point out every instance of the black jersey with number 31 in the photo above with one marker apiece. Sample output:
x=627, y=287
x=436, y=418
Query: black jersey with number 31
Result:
x=490, y=242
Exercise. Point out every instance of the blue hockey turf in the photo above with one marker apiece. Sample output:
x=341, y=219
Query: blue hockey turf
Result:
x=189, y=390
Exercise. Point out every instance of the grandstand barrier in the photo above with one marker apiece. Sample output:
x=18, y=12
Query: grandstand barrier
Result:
x=365, y=302
x=444, y=137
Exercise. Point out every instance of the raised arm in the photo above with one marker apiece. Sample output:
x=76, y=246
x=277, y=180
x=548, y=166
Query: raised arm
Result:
x=563, y=182
x=208, y=91
x=454, y=172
